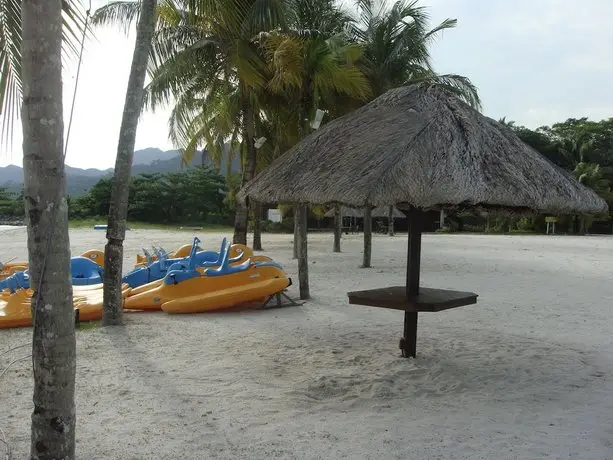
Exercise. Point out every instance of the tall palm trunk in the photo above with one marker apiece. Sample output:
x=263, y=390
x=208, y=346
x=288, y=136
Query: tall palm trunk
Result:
x=242, y=205
x=257, y=227
x=53, y=342
x=301, y=210
x=118, y=210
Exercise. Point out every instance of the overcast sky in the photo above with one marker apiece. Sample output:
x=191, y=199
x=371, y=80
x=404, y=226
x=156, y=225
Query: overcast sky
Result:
x=533, y=61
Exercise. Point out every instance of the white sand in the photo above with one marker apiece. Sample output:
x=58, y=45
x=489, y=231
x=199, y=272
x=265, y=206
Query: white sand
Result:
x=525, y=373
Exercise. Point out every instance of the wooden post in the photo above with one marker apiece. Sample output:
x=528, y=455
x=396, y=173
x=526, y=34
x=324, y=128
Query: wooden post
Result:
x=415, y=221
x=390, y=221
x=338, y=223
x=367, y=236
x=296, y=209
x=303, y=260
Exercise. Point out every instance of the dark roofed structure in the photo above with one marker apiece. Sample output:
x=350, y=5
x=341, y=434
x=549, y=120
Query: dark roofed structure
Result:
x=418, y=147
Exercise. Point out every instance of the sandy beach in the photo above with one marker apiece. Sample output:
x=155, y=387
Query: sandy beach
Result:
x=526, y=373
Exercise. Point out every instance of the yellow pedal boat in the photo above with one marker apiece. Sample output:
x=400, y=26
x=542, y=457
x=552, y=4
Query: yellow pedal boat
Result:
x=210, y=289
x=11, y=268
x=15, y=309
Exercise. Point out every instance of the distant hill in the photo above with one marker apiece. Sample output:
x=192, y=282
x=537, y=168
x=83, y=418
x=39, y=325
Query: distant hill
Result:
x=146, y=161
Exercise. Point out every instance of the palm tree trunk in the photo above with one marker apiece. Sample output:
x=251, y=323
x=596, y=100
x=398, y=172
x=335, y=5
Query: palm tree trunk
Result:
x=303, y=259
x=53, y=338
x=390, y=221
x=242, y=205
x=257, y=228
x=367, y=236
x=118, y=210
x=301, y=210
x=338, y=222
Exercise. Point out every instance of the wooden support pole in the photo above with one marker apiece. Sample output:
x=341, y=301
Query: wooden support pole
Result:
x=338, y=224
x=303, y=260
x=408, y=344
x=296, y=209
x=367, y=236
x=390, y=220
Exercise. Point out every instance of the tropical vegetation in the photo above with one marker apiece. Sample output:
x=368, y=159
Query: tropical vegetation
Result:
x=258, y=74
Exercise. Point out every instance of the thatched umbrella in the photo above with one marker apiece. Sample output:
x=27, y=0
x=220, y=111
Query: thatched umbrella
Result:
x=347, y=211
x=384, y=211
x=420, y=148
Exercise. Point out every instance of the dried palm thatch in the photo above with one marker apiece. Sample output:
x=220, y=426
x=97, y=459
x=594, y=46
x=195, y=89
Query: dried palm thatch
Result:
x=423, y=147
x=347, y=211
x=380, y=211
x=383, y=211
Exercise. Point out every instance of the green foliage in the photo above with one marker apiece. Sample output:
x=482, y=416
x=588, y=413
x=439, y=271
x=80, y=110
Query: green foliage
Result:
x=11, y=205
x=196, y=195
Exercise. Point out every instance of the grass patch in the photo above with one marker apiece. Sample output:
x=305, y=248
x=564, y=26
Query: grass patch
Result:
x=189, y=227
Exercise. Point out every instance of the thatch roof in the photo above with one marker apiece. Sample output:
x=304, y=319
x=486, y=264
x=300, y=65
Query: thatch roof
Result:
x=423, y=147
x=346, y=211
x=383, y=211
x=380, y=211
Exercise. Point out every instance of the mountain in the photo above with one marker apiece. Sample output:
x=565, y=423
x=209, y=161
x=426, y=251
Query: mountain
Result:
x=146, y=161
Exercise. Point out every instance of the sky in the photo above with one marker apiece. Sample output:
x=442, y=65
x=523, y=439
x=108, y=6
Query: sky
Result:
x=533, y=61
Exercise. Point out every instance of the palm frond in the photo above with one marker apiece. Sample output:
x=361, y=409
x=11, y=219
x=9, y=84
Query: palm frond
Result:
x=74, y=24
x=118, y=13
x=455, y=84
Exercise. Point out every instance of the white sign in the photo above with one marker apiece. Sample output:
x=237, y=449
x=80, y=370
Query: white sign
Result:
x=274, y=215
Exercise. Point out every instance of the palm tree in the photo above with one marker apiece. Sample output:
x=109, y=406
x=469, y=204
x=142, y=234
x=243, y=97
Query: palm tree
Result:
x=592, y=175
x=53, y=344
x=11, y=30
x=118, y=209
x=396, y=44
x=308, y=69
x=204, y=57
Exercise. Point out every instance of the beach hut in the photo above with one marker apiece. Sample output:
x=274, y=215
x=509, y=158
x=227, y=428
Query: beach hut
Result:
x=419, y=148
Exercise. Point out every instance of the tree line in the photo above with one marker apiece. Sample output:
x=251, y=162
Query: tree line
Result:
x=196, y=195
x=582, y=147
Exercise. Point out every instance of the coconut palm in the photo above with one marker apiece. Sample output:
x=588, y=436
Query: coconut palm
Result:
x=309, y=69
x=11, y=54
x=118, y=208
x=53, y=338
x=201, y=49
x=396, y=43
x=592, y=176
